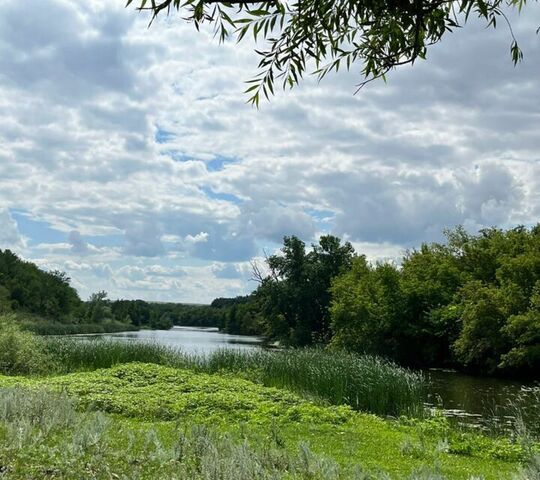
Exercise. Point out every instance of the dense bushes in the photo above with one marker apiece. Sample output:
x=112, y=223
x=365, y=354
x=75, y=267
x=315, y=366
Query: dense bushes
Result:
x=473, y=302
x=21, y=352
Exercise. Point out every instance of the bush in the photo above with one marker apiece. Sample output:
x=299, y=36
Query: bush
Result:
x=21, y=352
x=56, y=328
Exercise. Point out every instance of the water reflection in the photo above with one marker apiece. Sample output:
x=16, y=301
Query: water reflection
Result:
x=485, y=401
x=187, y=339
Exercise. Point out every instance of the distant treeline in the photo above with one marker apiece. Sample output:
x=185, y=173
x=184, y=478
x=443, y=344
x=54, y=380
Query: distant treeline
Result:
x=47, y=304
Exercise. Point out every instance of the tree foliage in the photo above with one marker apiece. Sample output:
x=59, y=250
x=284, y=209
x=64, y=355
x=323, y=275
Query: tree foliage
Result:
x=322, y=36
x=473, y=302
x=23, y=286
x=295, y=295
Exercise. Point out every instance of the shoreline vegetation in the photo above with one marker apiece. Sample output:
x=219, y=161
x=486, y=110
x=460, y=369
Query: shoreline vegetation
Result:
x=471, y=303
x=339, y=402
x=105, y=409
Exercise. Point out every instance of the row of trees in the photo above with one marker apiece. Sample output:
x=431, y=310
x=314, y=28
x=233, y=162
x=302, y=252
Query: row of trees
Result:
x=47, y=297
x=472, y=302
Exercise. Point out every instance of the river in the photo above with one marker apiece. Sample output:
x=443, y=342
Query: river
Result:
x=482, y=401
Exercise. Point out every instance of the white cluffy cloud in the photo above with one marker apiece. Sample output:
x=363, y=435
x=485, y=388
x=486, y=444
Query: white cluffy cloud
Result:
x=129, y=158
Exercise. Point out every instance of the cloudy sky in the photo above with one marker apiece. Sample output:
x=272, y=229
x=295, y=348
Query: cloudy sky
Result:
x=130, y=160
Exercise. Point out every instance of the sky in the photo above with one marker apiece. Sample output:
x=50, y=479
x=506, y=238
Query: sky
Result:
x=130, y=159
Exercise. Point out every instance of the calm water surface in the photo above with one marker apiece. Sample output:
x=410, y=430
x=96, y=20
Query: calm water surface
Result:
x=485, y=401
x=482, y=401
x=187, y=339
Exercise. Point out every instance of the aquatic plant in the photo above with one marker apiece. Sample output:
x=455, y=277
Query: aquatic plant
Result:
x=364, y=382
x=47, y=434
x=74, y=354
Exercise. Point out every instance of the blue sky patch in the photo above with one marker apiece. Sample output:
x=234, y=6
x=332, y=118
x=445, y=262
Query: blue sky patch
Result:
x=163, y=136
x=37, y=231
x=228, y=197
x=219, y=162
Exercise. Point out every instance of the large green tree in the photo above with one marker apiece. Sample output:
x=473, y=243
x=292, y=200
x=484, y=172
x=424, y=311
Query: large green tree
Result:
x=321, y=36
x=295, y=295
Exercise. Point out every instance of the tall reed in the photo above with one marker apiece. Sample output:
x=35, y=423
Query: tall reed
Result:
x=365, y=383
x=76, y=354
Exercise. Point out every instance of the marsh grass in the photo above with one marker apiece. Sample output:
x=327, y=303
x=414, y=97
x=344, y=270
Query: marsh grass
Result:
x=366, y=383
x=76, y=354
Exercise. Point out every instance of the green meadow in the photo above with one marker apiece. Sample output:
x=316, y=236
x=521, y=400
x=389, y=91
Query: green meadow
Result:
x=109, y=410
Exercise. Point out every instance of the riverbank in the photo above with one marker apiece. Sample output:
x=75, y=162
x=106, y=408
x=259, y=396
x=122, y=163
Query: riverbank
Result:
x=158, y=421
x=57, y=328
x=298, y=414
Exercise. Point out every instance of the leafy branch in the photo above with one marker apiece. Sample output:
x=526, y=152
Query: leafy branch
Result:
x=322, y=36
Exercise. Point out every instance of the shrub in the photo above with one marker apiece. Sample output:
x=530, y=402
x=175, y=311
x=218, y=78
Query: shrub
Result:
x=21, y=352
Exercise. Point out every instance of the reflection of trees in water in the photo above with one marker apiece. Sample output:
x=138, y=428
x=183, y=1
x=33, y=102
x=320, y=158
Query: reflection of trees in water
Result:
x=493, y=403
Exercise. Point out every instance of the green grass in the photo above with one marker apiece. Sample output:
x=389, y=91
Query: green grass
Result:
x=56, y=328
x=365, y=383
x=149, y=430
x=73, y=355
x=155, y=392
x=42, y=435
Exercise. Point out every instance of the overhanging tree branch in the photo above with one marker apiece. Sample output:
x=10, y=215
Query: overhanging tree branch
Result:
x=321, y=36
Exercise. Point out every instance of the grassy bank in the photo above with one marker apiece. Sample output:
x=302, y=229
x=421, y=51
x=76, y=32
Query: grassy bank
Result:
x=56, y=328
x=102, y=410
x=151, y=421
x=46, y=437
x=365, y=383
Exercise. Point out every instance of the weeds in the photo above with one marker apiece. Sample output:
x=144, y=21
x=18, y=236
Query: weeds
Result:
x=93, y=445
x=82, y=445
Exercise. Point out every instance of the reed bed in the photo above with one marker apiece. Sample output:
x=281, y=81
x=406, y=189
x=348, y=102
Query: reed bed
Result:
x=366, y=383
x=72, y=354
